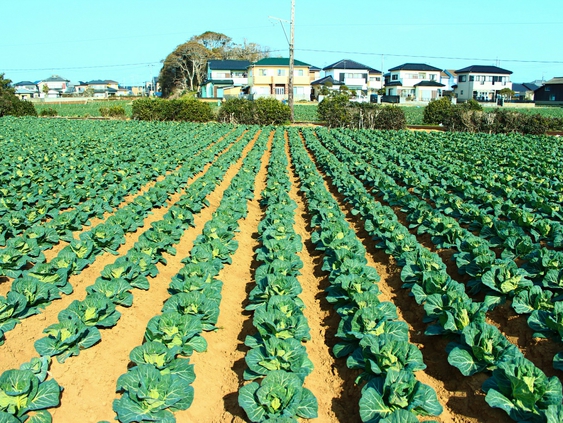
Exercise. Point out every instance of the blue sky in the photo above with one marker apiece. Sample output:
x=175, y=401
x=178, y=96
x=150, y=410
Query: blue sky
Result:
x=125, y=40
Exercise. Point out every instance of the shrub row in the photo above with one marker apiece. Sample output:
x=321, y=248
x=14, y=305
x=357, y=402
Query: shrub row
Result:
x=166, y=110
x=470, y=117
x=262, y=111
x=338, y=111
x=10, y=105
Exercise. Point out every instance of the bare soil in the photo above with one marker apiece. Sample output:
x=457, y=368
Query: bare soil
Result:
x=89, y=379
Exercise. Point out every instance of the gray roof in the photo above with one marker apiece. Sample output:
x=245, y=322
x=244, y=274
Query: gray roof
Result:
x=557, y=80
x=55, y=78
x=350, y=64
x=483, y=69
x=416, y=67
x=101, y=81
x=429, y=84
x=325, y=79
x=526, y=86
x=228, y=64
x=21, y=83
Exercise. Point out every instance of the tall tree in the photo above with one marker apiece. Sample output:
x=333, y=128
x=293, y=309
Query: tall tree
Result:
x=184, y=68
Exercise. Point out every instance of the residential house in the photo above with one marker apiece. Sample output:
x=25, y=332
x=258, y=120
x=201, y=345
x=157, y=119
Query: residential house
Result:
x=104, y=88
x=55, y=86
x=327, y=82
x=551, y=93
x=355, y=76
x=524, y=92
x=269, y=77
x=481, y=83
x=448, y=77
x=414, y=82
x=224, y=78
x=314, y=73
x=26, y=90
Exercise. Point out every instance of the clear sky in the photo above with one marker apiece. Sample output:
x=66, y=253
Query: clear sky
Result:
x=125, y=40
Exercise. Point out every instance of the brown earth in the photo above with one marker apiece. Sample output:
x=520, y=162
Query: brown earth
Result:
x=89, y=379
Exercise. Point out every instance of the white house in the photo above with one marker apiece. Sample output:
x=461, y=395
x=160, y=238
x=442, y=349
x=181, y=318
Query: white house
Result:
x=414, y=81
x=355, y=76
x=224, y=78
x=481, y=83
x=55, y=84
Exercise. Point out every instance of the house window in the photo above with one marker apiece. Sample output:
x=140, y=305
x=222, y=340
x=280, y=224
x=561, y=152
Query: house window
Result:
x=462, y=78
x=552, y=97
x=478, y=78
x=395, y=77
x=432, y=77
x=471, y=78
x=421, y=76
x=263, y=72
x=280, y=90
x=377, y=78
x=281, y=72
x=548, y=88
x=461, y=92
x=299, y=72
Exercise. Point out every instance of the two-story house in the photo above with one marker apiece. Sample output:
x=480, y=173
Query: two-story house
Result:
x=104, y=88
x=26, y=90
x=269, y=77
x=481, y=83
x=224, y=78
x=551, y=93
x=356, y=76
x=414, y=81
x=52, y=87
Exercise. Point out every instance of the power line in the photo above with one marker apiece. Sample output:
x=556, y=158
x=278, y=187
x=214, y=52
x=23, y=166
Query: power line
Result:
x=554, y=62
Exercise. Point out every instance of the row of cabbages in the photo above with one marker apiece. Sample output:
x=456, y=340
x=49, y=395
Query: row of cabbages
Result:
x=516, y=385
x=371, y=336
x=534, y=287
x=277, y=360
x=79, y=324
x=159, y=383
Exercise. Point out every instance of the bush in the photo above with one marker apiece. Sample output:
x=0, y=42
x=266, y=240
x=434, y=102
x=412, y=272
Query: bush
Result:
x=190, y=109
x=338, y=111
x=262, y=111
x=437, y=111
x=462, y=119
x=471, y=105
x=113, y=111
x=49, y=111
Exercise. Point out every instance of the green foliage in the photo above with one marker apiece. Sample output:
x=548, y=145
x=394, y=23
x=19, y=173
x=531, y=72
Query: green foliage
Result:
x=48, y=112
x=113, y=111
x=189, y=109
x=437, y=111
x=337, y=111
x=279, y=395
x=24, y=393
x=10, y=105
x=262, y=111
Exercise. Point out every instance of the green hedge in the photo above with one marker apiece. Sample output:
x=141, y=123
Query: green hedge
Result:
x=113, y=111
x=190, y=110
x=262, y=111
x=338, y=111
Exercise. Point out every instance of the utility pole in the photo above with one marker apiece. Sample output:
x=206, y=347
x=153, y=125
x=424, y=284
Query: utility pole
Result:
x=291, y=61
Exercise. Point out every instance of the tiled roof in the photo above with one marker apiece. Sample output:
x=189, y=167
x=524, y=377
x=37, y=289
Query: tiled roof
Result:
x=557, y=80
x=279, y=61
x=483, y=69
x=55, y=78
x=416, y=67
x=429, y=84
x=228, y=64
x=350, y=64
x=21, y=83
x=324, y=80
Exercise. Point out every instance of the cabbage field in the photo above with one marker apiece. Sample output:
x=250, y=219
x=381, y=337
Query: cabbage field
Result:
x=154, y=271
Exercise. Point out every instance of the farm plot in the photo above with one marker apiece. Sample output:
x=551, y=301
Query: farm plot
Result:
x=243, y=273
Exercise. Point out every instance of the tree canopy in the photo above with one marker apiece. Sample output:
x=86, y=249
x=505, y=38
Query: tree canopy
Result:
x=184, y=68
x=10, y=104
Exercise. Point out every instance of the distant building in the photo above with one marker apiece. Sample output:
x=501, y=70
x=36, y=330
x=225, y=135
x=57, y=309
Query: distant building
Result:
x=414, y=81
x=224, y=78
x=481, y=83
x=524, y=92
x=26, y=90
x=55, y=84
x=270, y=78
x=551, y=93
x=356, y=76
